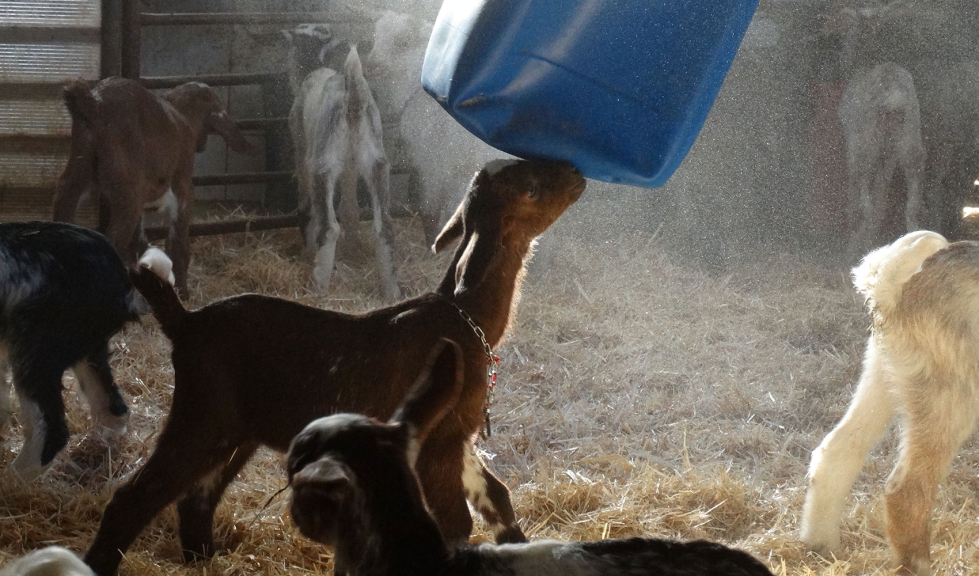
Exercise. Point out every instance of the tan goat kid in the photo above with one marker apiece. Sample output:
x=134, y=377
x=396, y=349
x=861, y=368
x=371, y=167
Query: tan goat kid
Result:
x=922, y=361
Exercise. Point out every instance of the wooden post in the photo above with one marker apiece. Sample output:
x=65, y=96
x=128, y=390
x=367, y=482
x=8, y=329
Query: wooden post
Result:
x=111, y=38
x=130, y=39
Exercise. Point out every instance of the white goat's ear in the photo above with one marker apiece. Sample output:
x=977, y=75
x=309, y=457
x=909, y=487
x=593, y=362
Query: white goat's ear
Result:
x=434, y=394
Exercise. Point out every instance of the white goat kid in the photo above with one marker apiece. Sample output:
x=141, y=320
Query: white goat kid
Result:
x=921, y=362
x=50, y=561
x=337, y=129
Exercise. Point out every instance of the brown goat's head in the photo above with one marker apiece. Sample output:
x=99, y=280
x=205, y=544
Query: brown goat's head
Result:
x=509, y=202
x=201, y=106
x=337, y=460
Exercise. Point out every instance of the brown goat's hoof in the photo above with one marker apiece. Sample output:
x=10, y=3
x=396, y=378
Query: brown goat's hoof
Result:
x=511, y=535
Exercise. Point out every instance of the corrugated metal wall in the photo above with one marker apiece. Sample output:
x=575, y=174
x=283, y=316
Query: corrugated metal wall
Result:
x=43, y=43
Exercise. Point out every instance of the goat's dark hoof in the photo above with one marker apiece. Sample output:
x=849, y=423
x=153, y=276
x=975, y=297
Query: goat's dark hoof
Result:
x=103, y=564
x=511, y=535
x=117, y=406
x=55, y=439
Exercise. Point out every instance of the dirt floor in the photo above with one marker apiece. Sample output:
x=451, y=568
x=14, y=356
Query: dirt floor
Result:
x=638, y=395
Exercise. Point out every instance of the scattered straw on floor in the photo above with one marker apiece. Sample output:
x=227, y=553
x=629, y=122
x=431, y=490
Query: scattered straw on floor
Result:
x=638, y=395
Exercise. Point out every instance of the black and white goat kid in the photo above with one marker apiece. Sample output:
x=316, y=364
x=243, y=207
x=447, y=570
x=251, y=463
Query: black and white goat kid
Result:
x=354, y=487
x=64, y=292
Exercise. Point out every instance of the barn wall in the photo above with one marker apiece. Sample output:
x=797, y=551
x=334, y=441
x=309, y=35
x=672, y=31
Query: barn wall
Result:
x=43, y=43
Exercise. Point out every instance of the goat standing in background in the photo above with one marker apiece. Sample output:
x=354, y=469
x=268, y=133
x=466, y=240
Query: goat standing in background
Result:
x=135, y=149
x=337, y=130
x=63, y=294
x=882, y=126
x=439, y=149
x=354, y=488
x=922, y=362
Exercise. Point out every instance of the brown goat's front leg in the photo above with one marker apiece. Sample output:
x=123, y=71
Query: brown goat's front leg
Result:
x=178, y=240
x=74, y=181
x=182, y=457
x=123, y=225
x=491, y=498
x=439, y=468
x=196, y=509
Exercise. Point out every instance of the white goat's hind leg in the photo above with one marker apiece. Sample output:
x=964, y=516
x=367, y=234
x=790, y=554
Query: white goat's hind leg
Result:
x=914, y=211
x=348, y=213
x=870, y=217
x=27, y=464
x=309, y=221
x=837, y=461
x=938, y=422
x=379, y=187
x=323, y=262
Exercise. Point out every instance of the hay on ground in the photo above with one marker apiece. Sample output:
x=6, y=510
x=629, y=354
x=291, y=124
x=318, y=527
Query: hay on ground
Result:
x=638, y=395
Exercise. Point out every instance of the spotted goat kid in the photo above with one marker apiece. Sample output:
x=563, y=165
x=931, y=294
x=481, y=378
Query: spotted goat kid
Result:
x=354, y=488
x=64, y=292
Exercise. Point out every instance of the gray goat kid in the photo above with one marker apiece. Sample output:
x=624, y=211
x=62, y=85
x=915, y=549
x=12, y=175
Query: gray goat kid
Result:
x=336, y=128
x=354, y=487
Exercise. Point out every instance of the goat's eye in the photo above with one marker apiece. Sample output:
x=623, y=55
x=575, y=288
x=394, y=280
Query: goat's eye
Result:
x=533, y=189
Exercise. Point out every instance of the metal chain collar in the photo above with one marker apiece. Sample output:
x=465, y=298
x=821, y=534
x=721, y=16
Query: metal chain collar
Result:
x=492, y=361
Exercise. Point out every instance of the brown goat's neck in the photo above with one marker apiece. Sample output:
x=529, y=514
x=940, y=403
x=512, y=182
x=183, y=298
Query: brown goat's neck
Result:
x=493, y=302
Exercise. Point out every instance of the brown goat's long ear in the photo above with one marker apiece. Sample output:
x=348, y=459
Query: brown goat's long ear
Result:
x=221, y=123
x=475, y=261
x=452, y=230
x=434, y=394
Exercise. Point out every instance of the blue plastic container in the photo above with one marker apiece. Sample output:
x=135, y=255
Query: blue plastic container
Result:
x=620, y=88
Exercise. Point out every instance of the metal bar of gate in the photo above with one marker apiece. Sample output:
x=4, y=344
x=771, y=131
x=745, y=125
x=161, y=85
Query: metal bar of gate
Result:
x=242, y=178
x=228, y=18
x=260, y=123
x=154, y=82
x=230, y=226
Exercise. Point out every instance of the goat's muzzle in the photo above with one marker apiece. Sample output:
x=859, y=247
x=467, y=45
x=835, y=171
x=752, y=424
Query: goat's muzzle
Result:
x=319, y=491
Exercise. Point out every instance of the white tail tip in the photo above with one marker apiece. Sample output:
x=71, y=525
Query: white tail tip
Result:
x=882, y=273
x=158, y=261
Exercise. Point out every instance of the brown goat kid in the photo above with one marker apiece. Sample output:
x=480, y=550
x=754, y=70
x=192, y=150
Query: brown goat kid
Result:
x=133, y=148
x=253, y=370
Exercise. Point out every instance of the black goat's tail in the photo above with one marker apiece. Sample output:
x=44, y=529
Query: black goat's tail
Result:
x=162, y=298
x=80, y=102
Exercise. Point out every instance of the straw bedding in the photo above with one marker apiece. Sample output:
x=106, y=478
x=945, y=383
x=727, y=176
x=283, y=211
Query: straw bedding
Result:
x=637, y=395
